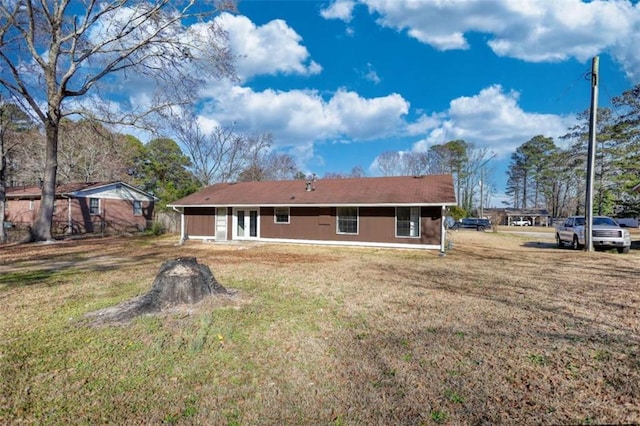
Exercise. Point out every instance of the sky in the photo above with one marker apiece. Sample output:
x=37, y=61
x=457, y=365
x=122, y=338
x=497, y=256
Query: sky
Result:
x=339, y=82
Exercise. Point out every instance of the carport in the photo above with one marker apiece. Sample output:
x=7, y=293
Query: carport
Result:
x=536, y=217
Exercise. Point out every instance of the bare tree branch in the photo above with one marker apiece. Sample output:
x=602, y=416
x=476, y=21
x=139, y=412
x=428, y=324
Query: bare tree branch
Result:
x=72, y=48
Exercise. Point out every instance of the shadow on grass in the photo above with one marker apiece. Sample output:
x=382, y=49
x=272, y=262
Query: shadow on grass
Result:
x=60, y=262
x=17, y=279
x=540, y=244
x=635, y=245
x=553, y=329
x=55, y=272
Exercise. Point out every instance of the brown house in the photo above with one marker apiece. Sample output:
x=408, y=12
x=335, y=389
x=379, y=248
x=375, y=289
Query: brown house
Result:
x=385, y=211
x=84, y=207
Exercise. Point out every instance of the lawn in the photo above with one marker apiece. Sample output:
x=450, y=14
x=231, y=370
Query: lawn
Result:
x=505, y=328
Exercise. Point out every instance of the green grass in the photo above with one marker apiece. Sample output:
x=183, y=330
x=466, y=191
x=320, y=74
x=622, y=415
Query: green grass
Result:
x=25, y=278
x=114, y=373
x=324, y=336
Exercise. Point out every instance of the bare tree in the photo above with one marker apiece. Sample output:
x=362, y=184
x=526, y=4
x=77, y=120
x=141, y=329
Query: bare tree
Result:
x=88, y=151
x=270, y=166
x=225, y=155
x=356, y=172
x=26, y=159
x=12, y=120
x=389, y=162
x=253, y=155
x=415, y=163
x=392, y=163
x=54, y=53
x=281, y=166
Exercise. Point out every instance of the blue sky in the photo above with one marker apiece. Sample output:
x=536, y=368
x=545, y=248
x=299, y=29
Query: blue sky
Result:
x=339, y=82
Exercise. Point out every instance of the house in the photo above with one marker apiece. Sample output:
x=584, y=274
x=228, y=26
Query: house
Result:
x=84, y=207
x=532, y=216
x=384, y=211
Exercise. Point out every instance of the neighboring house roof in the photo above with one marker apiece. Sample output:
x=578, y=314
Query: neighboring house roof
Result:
x=527, y=212
x=420, y=190
x=82, y=189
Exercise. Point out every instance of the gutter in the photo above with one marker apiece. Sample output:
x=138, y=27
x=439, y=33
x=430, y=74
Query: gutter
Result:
x=183, y=237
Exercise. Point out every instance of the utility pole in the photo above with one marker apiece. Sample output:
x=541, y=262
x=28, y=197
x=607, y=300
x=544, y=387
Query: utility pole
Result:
x=481, y=215
x=591, y=156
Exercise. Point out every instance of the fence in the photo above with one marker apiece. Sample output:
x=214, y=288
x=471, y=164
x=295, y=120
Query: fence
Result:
x=169, y=221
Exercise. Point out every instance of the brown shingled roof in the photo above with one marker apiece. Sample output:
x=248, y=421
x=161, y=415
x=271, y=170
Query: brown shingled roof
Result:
x=420, y=190
x=62, y=188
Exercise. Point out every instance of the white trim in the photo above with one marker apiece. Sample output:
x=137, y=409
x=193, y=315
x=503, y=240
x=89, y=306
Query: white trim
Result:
x=183, y=225
x=275, y=215
x=327, y=243
x=317, y=205
x=234, y=224
x=116, y=186
x=134, y=208
x=410, y=215
x=357, y=221
x=443, y=235
x=203, y=237
x=217, y=217
x=352, y=243
x=69, y=217
x=99, y=206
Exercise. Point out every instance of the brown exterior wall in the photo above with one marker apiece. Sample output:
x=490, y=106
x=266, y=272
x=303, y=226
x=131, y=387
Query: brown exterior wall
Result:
x=200, y=221
x=376, y=224
x=115, y=215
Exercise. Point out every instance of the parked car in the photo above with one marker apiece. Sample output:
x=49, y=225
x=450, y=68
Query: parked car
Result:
x=472, y=223
x=520, y=222
x=606, y=233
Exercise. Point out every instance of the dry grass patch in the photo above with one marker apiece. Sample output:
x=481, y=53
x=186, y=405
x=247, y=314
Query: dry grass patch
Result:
x=503, y=329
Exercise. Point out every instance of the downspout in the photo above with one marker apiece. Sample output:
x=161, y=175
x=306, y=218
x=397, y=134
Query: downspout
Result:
x=69, y=218
x=443, y=213
x=183, y=237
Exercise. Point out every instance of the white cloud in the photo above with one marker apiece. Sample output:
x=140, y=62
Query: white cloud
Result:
x=372, y=75
x=339, y=9
x=626, y=51
x=423, y=124
x=298, y=119
x=531, y=30
x=268, y=49
x=493, y=119
x=301, y=119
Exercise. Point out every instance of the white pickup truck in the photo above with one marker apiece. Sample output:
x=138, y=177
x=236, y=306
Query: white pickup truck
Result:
x=606, y=233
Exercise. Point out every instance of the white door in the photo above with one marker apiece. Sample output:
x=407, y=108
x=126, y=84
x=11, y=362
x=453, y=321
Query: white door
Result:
x=246, y=224
x=221, y=224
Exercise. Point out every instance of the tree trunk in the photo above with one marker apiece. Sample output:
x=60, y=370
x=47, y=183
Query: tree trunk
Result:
x=41, y=230
x=3, y=187
x=178, y=282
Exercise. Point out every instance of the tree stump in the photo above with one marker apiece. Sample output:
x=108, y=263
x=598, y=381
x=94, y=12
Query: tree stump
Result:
x=179, y=281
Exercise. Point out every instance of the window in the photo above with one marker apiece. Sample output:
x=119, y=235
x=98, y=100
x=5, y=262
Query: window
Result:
x=281, y=215
x=347, y=220
x=137, y=208
x=94, y=206
x=408, y=222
